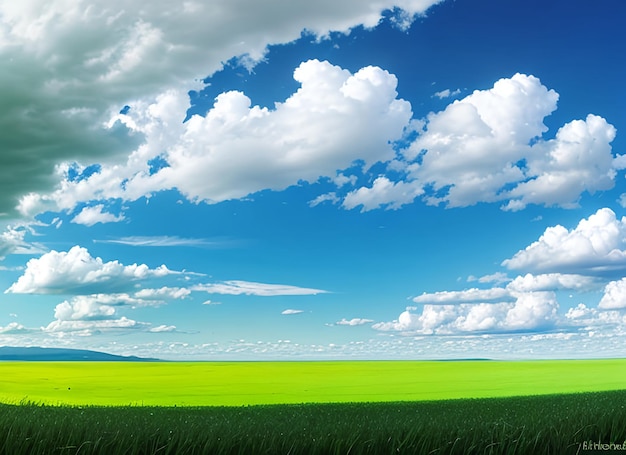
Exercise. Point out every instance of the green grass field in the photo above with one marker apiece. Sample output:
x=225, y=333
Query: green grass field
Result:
x=486, y=407
x=252, y=383
x=548, y=424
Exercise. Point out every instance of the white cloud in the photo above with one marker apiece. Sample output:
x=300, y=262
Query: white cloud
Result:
x=527, y=303
x=553, y=281
x=577, y=160
x=432, y=315
x=354, y=321
x=480, y=144
x=447, y=93
x=161, y=241
x=13, y=328
x=530, y=311
x=77, y=272
x=342, y=180
x=514, y=290
x=89, y=315
x=67, y=65
x=104, y=306
x=579, y=311
x=469, y=295
x=506, y=346
x=237, y=287
x=486, y=147
x=328, y=197
x=163, y=292
x=472, y=146
x=89, y=216
x=63, y=328
x=143, y=297
x=383, y=192
x=489, y=147
x=163, y=329
x=614, y=297
x=290, y=311
x=497, y=278
x=334, y=119
x=83, y=310
x=596, y=246
x=12, y=241
x=596, y=319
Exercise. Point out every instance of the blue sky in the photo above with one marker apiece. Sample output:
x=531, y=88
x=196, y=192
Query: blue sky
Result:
x=362, y=179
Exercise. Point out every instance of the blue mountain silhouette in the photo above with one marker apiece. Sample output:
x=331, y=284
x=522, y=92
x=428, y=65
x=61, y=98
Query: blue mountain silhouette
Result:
x=62, y=354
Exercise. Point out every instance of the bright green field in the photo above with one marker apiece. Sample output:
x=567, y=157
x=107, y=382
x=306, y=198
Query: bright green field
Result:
x=249, y=383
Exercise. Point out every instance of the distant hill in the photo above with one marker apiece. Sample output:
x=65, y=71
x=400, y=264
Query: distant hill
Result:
x=60, y=354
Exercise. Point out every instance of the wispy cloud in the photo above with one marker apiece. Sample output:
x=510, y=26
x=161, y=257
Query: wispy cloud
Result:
x=469, y=295
x=236, y=287
x=163, y=328
x=165, y=241
x=290, y=311
x=328, y=197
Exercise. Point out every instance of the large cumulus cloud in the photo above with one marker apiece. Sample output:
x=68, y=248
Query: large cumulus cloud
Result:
x=596, y=246
x=333, y=120
x=77, y=272
x=67, y=66
x=529, y=311
x=491, y=146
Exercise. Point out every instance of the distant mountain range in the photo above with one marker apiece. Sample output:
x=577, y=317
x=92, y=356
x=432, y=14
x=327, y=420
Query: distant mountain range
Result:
x=60, y=354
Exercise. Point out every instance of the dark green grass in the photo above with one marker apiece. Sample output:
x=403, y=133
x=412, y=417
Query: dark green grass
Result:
x=556, y=424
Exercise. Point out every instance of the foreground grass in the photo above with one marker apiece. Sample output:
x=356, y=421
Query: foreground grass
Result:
x=251, y=383
x=558, y=424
